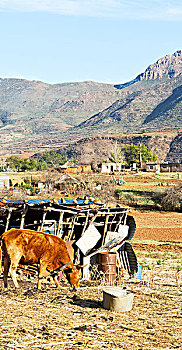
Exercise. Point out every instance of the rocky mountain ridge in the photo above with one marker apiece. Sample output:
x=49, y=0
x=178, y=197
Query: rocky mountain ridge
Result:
x=169, y=66
x=151, y=106
x=37, y=116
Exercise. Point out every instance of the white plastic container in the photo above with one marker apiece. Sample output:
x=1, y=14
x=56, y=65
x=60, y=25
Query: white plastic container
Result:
x=117, y=299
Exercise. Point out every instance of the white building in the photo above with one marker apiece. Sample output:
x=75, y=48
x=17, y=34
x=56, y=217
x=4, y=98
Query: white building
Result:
x=111, y=167
x=4, y=182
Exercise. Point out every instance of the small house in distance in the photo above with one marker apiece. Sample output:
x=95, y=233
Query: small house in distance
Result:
x=163, y=167
x=69, y=167
x=111, y=167
x=85, y=168
x=4, y=182
x=72, y=168
x=152, y=167
x=170, y=167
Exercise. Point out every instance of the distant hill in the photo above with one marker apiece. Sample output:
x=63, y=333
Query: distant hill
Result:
x=36, y=116
x=166, y=145
x=38, y=103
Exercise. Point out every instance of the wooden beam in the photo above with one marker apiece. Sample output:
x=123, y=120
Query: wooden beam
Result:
x=105, y=228
x=60, y=223
x=72, y=228
x=43, y=219
x=8, y=219
x=25, y=209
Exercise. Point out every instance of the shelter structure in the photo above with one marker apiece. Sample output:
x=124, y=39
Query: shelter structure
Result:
x=66, y=181
x=152, y=167
x=94, y=228
x=170, y=167
x=69, y=167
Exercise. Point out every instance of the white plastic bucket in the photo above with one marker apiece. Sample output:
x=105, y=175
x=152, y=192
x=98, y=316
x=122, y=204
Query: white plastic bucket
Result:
x=117, y=299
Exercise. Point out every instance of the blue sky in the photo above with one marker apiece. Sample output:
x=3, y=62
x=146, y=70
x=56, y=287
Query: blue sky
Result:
x=76, y=40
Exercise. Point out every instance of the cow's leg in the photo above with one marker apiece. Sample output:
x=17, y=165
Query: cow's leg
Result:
x=42, y=270
x=14, y=264
x=6, y=270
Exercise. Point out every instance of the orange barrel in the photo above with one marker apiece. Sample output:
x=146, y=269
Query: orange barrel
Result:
x=107, y=264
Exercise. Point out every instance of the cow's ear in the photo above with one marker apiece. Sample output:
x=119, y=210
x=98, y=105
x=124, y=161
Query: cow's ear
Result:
x=73, y=241
x=70, y=243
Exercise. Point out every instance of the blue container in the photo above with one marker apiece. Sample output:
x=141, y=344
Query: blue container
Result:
x=138, y=275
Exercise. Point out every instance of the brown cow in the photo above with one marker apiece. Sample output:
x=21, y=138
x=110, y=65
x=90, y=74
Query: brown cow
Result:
x=29, y=247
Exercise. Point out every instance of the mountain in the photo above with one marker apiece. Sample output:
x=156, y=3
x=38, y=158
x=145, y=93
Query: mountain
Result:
x=33, y=114
x=36, y=116
x=152, y=101
x=169, y=66
x=37, y=102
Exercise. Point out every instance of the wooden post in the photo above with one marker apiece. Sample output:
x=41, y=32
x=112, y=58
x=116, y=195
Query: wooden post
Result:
x=112, y=222
x=105, y=229
x=60, y=223
x=125, y=218
x=72, y=229
x=25, y=208
x=93, y=219
x=8, y=219
x=43, y=219
x=77, y=255
x=85, y=224
x=119, y=222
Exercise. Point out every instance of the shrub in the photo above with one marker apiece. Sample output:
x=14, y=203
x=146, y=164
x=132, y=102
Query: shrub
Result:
x=171, y=199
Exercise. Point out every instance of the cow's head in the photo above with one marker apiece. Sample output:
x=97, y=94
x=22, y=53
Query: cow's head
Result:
x=73, y=275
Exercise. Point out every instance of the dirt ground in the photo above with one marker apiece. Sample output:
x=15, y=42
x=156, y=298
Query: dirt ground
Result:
x=161, y=226
x=57, y=319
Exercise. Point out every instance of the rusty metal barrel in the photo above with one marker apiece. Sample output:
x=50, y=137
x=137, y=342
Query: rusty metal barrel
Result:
x=107, y=264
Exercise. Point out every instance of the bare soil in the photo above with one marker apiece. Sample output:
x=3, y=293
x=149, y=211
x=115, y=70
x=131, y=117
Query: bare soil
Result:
x=57, y=319
x=161, y=226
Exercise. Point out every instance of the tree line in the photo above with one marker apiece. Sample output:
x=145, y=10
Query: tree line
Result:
x=125, y=154
x=42, y=162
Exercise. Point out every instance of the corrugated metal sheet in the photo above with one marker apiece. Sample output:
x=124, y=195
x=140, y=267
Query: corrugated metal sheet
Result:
x=128, y=258
x=130, y=221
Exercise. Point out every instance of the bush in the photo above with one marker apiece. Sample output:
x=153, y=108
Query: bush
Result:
x=171, y=199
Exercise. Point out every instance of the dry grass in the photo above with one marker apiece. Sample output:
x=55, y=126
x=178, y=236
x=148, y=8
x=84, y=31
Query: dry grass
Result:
x=57, y=319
